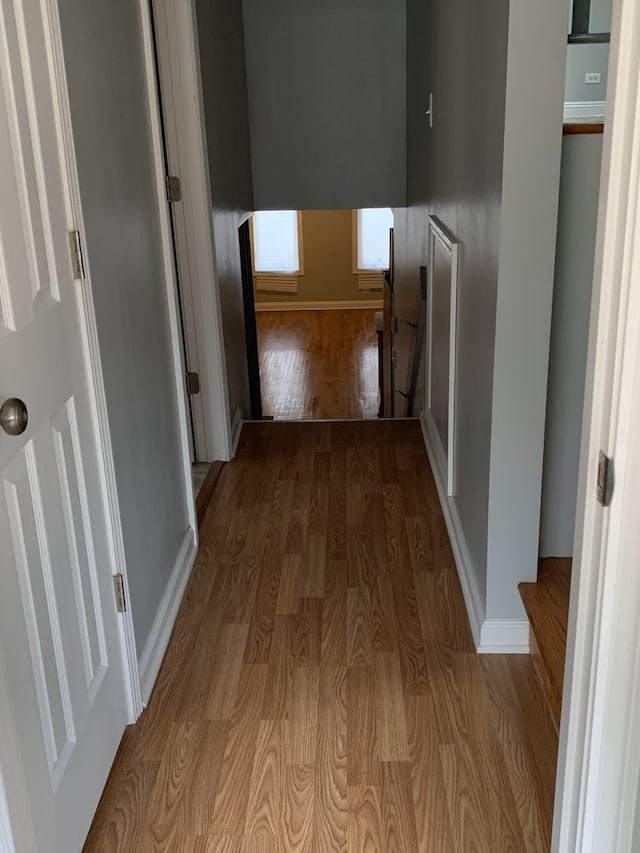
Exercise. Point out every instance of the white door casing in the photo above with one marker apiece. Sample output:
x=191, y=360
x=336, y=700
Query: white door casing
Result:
x=599, y=752
x=64, y=700
x=184, y=125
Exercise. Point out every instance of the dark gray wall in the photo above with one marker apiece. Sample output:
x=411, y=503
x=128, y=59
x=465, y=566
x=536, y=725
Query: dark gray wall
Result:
x=224, y=92
x=327, y=102
x=109, y=111
x=577, y=219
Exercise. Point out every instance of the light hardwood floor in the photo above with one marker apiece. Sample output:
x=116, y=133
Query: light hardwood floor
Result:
x=321, y=692
x=318, y=364
x=547, y=606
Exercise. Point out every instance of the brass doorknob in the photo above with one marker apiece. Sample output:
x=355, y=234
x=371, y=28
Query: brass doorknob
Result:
x=14, y=416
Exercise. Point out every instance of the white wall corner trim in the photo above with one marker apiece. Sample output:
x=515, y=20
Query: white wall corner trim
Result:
x=504, y=636
x=156, y=645
x=236, y=429
x=470, y=591
x=584, y=110
x=336, y=305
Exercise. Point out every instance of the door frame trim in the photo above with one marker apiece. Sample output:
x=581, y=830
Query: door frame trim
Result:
x=179, y=61
x=599, y=749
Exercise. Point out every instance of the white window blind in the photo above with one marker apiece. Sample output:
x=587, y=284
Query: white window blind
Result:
x=275, y=241
x=373, y=238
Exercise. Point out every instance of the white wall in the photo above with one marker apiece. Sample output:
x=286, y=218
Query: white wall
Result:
x=224, y=92
x=577, y=217
x=109, y=111
x=327, y=88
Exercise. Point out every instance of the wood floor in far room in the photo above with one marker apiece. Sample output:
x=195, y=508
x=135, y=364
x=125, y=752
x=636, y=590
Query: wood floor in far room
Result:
x=321, y=693
x=318, y=364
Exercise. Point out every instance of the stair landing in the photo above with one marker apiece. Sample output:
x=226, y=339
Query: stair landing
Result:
x=547, y=606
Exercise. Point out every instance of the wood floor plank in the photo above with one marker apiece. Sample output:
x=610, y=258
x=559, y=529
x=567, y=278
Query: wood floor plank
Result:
x=413, y=665
x=441, y=608
x=303, y=727
x=397, y=812
x=289, y=593
x=534, y=814
x=359, y=641
x=324, y=632
x=429, y=794
x=481, y=808
x=364, y=826
x=363, y=767
x=331, y=796
x=333, y=651
x=298, y=809
x=391, y=720
x=229, y=812
x=313, y=566
x=268, y=779
x=460, y=695
x=258, y=646
x=226, y=674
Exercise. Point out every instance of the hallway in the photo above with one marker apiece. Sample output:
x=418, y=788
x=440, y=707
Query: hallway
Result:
x=321, y=691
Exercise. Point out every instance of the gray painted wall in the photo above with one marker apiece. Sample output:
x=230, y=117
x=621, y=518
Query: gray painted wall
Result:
x=455, y=172
x=577, y=218
x=582, y=58
x=489, y=169
x=327, y=87
x=530, y=188
x=107, y=88
x=224, y=91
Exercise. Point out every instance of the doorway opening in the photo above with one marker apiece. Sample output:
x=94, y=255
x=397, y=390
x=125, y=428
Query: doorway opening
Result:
x=313, y=284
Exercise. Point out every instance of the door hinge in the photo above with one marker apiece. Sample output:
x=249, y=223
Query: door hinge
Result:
x=174, y=190
x=118, y=586
x=77, y=261
x=604, y=488
x=193, y=383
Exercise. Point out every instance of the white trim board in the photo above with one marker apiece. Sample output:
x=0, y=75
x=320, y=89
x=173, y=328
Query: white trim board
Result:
x=160, y=634
x=168, y=258
x=584, y=111
x=236, y=430
x=490, y=636
x=335, y=305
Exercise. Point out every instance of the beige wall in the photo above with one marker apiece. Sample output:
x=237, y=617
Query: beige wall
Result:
x=328, y=263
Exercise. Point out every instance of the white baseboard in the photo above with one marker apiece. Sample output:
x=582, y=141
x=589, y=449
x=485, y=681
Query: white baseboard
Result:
x=491, y=636
x=337, y=305
x=156, y=645
x=236, y=429
x=504, y=636
x=470, y=591
x=584, y=111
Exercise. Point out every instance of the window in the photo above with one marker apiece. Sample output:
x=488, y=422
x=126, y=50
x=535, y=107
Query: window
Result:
x=275, y=242
x=372, y=238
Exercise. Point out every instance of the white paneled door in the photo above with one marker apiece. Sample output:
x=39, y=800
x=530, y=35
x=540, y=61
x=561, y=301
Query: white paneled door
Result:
x=63, y=704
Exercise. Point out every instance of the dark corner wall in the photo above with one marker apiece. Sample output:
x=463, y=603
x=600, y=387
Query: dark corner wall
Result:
x=327, y=102
x=224, y=91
